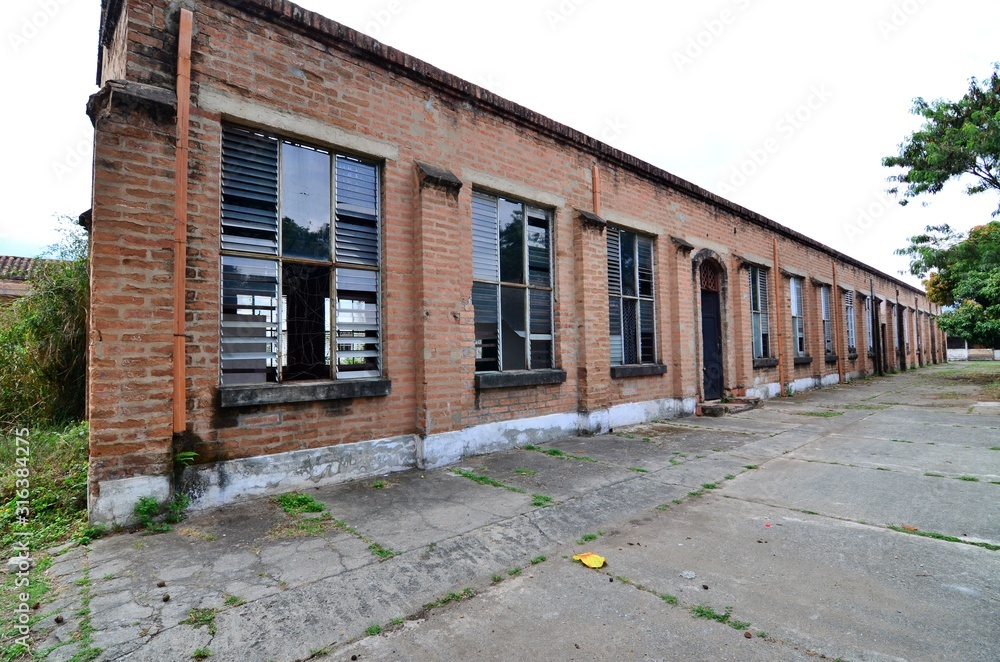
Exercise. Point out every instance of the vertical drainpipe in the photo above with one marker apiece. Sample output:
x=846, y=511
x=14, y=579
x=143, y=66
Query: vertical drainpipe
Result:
x=777, y=314
x=180, y=215
x=836, y=324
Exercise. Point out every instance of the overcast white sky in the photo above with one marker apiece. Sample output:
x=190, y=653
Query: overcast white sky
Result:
x=806, y=96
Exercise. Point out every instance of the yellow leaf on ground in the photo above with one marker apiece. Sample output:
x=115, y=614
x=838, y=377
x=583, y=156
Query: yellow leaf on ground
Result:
x=590, y=559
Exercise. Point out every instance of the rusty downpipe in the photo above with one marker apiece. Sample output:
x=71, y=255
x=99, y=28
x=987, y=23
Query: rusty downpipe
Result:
x=180, y=215
x=835, y=304
x=777, y=315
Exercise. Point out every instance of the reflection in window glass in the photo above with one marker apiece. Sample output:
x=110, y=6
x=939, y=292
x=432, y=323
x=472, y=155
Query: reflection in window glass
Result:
x=305, y=203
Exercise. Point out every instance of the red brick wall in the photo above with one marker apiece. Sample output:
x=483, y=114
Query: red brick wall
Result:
x=428, y=348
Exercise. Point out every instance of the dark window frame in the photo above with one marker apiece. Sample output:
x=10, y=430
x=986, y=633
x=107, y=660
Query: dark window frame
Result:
x=760, y=323
x=317, y=331
x=631, y=297
x=513, y=284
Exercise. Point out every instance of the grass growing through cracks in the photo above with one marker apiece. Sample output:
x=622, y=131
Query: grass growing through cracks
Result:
x=559, y=454
x=701, y=611
x=946, y=538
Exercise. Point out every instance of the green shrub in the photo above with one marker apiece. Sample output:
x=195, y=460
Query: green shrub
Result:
x=43, y=341
x=58, y=493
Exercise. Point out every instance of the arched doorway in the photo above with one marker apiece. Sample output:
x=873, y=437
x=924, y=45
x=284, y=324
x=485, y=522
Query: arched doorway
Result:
x=711, y=330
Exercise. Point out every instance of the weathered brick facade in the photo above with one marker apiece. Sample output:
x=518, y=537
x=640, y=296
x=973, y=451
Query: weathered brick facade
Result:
x=271, y=66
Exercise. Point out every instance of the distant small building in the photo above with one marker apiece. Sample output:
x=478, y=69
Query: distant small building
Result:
x=14, y=273
x=961, y=350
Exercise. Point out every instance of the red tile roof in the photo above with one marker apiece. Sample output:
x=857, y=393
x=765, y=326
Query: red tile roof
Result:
x=17, y=268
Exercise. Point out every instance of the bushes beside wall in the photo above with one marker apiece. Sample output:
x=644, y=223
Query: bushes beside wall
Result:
x=43, y=341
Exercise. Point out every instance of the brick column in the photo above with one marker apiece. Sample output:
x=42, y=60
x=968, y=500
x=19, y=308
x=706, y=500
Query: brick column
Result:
x=593, y=345
x=131, y=301
x=445, y=320
x=682, y=353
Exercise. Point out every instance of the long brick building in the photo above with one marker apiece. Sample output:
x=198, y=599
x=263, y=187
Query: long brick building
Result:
x=316, y=258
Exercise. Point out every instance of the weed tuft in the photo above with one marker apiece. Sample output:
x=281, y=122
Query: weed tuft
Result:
x=201, y=617
x=296, y=503
x=541, y=501
x=485, y=480
x=453, y=597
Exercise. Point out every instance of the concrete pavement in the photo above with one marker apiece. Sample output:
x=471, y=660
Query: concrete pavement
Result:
x=780, y=515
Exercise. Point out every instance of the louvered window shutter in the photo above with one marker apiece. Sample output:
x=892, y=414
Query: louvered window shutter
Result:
x=249, y=193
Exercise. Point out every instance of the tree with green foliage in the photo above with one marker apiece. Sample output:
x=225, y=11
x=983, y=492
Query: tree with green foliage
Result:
x=962, y=271
x=958, y=139
x=43, y=341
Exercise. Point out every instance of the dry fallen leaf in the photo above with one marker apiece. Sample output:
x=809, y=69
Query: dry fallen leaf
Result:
x=590, y=559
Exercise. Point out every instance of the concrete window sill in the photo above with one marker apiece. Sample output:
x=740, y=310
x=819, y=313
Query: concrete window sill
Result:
x=832, y=358
x=853, y=356
x=765, y=363
x=271, y=394
x=516, y=378
x=641, y=370
x=803, y=360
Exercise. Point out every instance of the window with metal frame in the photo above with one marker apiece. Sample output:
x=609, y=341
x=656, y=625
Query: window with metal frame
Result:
x=798, y=321
x=300, y=297
x=825, y=297
x=631, y=303
x=512, y=284
x=759, y=311
x=852, y=342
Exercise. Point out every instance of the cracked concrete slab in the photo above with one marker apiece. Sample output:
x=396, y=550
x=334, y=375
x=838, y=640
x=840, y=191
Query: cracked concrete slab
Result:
x=876, y=497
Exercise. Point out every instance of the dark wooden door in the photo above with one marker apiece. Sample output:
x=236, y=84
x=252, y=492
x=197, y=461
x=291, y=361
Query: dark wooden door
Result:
x=711, y=340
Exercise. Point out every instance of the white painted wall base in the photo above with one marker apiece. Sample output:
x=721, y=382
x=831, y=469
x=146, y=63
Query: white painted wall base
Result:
x=438, y=450
x=829, y=380
x=642, y=412
x=117, y=499
x=765, y=391
x=218, y=483
x=211, y=485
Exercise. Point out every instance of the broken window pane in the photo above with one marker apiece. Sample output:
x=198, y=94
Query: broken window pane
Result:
x=512, y=329
x=305, y=294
